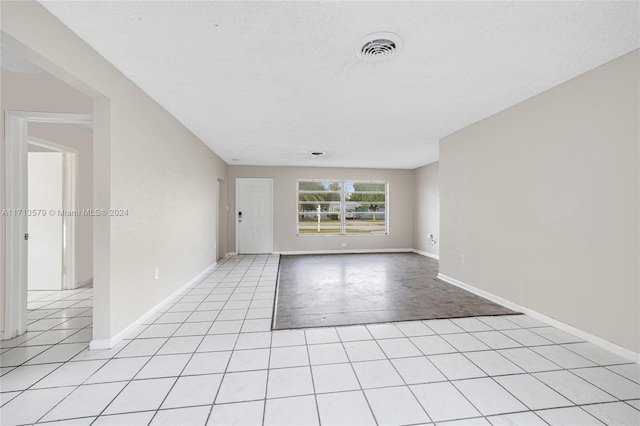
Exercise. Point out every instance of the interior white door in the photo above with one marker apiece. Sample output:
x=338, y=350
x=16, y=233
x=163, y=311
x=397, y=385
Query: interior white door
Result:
x=45, y=231
x=254, y=215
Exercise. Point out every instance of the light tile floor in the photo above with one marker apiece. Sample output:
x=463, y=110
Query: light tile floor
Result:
x=209, y=357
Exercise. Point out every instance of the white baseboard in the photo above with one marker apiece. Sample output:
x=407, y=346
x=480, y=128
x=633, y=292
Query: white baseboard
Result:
x=110, y=343
x=86, y=282
x=356, y=251
x=604, y=344
x=345, y=251
x=80, y=284
x=231, y=253
x=427, y=254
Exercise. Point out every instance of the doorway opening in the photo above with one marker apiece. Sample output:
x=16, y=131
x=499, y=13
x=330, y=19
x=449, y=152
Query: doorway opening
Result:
x=52, y=200
x=43, y=238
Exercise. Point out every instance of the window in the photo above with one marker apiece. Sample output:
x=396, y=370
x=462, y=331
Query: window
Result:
x=328, y=207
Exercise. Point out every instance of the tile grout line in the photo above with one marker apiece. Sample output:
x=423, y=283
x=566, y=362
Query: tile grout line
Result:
x=492, y=377
x=313, y=382
x=238, y=284
x=134, y=377
x=190, y=357
x=362, y=390
x=409, y=386
x=46, y=375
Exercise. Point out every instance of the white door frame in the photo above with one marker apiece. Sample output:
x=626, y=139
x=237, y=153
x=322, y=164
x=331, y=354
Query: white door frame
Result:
x=218, y=217
x=235, y=217
x=15, y=150
x=70, y=170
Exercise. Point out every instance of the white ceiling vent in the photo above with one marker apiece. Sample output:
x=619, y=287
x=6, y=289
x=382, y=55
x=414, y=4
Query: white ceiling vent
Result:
x=378, y=46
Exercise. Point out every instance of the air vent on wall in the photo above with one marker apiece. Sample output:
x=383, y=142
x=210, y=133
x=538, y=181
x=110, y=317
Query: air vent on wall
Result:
x=378, y=46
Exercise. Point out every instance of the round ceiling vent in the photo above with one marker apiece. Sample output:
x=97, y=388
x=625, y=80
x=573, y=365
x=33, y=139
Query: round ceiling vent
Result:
x=378, y=46
x=317, y=153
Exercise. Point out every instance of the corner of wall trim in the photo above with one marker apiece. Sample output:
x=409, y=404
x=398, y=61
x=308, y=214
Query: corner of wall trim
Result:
x=101, y=344
x=85, y=282
x=110, y=343
x=427, y=254
x=599, y=341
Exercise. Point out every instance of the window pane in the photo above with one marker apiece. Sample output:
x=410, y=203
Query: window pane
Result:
x=332, y=207
x=329, y=216
x=311, y=228
x=365, y=187
x=366, y=198
x=366, y=226
x=316, y=197
x=319, y=186
x=366, y=219
x=365, y=208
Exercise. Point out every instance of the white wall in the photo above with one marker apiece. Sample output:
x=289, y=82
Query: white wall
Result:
x=427, y=209
x=145, y=161
x=82, y=141
x=400, y=207
x=543, y=200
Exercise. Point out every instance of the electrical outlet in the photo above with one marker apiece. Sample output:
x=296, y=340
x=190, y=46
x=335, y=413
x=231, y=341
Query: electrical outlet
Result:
x=463, y=258
x=156, y=273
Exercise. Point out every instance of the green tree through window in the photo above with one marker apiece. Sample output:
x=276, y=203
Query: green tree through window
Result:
x=364, y=193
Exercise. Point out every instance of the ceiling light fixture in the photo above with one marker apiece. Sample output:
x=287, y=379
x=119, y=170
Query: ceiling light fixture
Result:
x=317, y=153
x=378, y=46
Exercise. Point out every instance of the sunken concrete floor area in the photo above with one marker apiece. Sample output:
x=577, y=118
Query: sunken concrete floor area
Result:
x=348, y=289
x=209, y=357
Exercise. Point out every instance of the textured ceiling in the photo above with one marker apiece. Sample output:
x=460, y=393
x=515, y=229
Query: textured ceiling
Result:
x=266, y=82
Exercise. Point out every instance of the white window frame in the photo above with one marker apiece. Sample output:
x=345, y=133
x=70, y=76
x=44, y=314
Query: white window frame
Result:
x=343, y=201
